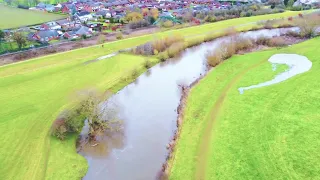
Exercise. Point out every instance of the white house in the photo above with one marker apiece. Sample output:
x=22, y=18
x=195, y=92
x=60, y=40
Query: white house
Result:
x=83, y=16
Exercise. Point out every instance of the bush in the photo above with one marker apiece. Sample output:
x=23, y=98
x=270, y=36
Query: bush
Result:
x=268, y=24
x=59, y=129
x=119, y=35
x=147, y=64
x=212, y=36
x=276, y=42
x=175, y=49
x=262, y=40
x=159, y=45
x=296, y=8
x=194, y=42
x=214, y=58
x=134, y=73
x=167, y=24
x=163, y=56
x=243, y=44
x=308, y=25
x=228, y=50
x=293, y=34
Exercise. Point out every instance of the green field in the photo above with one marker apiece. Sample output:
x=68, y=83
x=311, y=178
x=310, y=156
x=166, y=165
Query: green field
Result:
x=33, y=92
x=14, y=17
x=266, y=133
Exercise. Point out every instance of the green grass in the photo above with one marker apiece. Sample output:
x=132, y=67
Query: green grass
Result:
x=266, y=133
x=33, y=92
x=14, y=17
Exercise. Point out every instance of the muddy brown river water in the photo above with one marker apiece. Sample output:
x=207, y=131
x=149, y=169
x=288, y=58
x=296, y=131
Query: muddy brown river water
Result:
x=148, y=110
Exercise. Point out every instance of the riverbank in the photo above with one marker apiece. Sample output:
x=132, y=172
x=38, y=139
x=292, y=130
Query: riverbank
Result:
x=237, y=126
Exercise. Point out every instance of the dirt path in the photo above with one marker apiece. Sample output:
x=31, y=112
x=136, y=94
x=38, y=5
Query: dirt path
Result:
x=206, y=137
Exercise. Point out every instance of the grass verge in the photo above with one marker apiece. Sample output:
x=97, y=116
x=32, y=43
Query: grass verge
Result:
x=14, y=17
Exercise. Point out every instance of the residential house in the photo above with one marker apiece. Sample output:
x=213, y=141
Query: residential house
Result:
x=68, y=8
x=103, y=13
x=79, y=32
x=83, y=16
x=46, y=7
x=44, y=36
x=92, y=7
x=66, y=24
x=50, y=26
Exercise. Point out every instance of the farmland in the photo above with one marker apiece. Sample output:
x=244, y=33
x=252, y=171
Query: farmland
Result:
x=14, y=17
x=45, y=84
x=266, y=133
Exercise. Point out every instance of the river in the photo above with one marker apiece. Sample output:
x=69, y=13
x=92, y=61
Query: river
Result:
x=148, y=110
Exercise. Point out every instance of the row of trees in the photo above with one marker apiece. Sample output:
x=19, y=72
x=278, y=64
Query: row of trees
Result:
x=29, y=3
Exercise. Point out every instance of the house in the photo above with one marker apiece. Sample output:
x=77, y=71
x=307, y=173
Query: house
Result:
x=46, y=7
x=83, y=16
x=92, y=7
x=68, y=8
x=44, y=36
x=77, y=33
x=50, y=8
x=66, y=24
x=50, y=26
x=103, y=13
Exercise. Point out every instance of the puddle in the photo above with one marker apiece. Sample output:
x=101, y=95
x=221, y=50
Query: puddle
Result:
x=297, y=65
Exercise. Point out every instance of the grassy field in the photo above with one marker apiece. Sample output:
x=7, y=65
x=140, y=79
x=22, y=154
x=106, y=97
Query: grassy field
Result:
x=33, y=92
x=266, y=133
x=14, y=17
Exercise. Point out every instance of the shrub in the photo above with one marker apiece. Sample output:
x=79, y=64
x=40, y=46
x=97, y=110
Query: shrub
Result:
x=175, y=49
x=268, y=24
x=194, y=42
x=212, y=36
x=214, y=58
x=243, y=44
x=262, y=40
x=308, y=25
x=119, y=35
x=230, y=31
x=169, y=40
x=296, y=8
x=293, y=34
x=147, y=64
x=59, y=129
x=134, y=73
x=228, y=50
x=276, y=42
x=167, y=24
x=163, y=56
x=159, y=45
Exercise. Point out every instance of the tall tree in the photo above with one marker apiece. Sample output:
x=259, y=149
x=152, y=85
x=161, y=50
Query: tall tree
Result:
x=290, y=3
x=20, y=39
